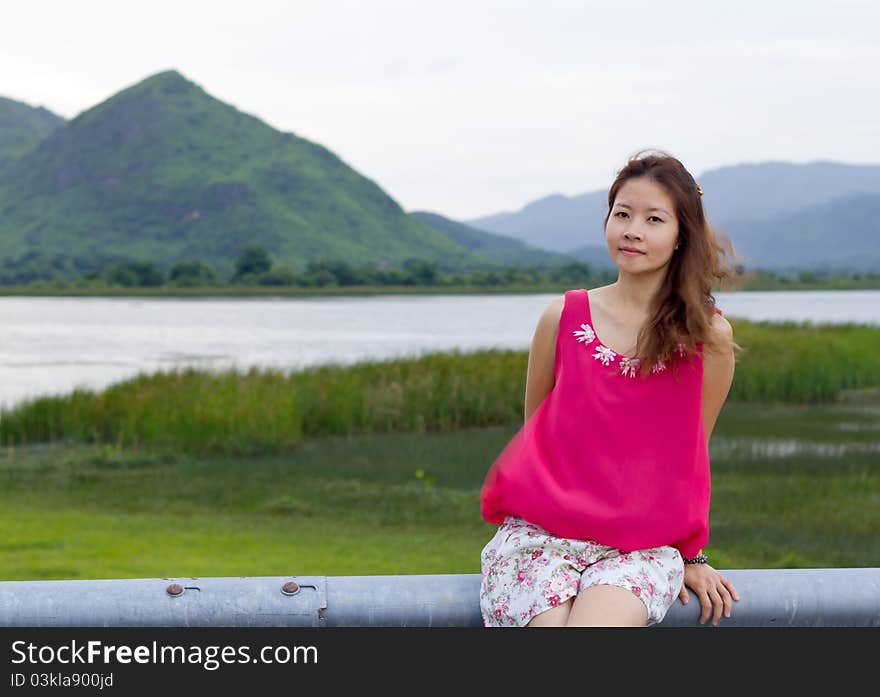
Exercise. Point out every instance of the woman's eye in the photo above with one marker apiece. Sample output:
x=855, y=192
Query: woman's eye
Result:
x=653, y=217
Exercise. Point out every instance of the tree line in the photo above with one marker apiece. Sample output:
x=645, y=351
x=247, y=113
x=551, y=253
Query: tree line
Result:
x=254, y=267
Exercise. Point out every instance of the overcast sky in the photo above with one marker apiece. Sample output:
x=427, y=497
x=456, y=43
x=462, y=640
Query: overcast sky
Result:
x=473, y=107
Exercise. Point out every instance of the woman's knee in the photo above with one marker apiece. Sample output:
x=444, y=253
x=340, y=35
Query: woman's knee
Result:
x=607, y=606
x=554, y=617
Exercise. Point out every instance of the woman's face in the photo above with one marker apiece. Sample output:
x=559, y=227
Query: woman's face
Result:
x=643, y=218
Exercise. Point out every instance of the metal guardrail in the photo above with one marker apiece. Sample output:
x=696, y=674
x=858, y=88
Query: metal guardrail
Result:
x=846, y=597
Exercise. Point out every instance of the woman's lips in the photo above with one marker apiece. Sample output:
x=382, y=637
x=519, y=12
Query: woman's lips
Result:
x=630, y=252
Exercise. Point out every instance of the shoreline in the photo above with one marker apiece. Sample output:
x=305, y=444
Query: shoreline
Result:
x=364, y=291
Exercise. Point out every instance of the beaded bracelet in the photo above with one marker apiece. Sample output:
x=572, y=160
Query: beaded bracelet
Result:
x=699, y=559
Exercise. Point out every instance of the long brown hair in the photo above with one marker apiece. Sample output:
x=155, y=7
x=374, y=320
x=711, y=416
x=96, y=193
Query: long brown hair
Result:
x=681, y=311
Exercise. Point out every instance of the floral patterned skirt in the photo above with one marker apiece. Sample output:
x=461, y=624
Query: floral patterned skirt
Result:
x=527, y=570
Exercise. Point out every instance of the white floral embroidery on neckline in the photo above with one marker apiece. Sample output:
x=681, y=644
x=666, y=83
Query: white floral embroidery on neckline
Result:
x=626, y=365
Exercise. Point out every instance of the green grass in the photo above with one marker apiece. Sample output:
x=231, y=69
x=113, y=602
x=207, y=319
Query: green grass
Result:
x=353, y=505
x=376, y=468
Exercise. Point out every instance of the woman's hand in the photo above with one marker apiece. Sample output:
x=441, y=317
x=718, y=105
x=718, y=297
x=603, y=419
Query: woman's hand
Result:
x=711, y=588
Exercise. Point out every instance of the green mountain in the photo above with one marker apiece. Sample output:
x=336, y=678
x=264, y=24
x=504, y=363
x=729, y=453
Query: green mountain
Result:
x=163, y=171
x=22, y=127
x=493, y=249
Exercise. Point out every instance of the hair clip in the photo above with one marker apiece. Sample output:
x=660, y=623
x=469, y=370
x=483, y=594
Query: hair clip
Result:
x=699, y=190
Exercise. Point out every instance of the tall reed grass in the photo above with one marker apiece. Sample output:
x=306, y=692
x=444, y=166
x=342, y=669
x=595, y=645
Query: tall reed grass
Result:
x=270, y=411
x=265, y=411
x=801, y=362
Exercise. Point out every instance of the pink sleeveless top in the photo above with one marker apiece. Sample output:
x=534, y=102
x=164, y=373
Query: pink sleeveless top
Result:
x=609, y=455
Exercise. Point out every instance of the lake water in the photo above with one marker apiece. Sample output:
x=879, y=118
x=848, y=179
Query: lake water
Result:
x=52, y=345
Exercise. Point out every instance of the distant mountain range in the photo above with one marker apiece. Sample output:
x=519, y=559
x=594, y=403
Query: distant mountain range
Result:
x=163, y=171
x=783, y=216
x=503, y=250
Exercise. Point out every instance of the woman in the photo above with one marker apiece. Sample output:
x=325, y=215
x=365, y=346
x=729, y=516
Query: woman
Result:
x=602, y=498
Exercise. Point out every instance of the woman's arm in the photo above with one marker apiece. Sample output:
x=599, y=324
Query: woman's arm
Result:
x=540, y=376
x=718, y=367
x=715, y=593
